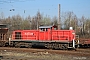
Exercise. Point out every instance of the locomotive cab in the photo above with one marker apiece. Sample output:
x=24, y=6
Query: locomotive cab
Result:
x=47, y=28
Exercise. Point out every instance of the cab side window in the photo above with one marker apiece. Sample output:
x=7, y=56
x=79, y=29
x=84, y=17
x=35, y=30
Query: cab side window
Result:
x=43, y=29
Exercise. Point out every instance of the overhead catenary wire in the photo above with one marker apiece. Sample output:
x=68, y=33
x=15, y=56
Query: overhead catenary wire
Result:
x=13, y=1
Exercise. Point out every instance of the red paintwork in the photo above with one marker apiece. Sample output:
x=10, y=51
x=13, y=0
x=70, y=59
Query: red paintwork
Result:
x=84, y=41
x=49, y=35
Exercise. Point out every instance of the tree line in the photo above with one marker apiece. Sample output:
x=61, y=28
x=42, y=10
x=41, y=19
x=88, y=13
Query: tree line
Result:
x=68, y=19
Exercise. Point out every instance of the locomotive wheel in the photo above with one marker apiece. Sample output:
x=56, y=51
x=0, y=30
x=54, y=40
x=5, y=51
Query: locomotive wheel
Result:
x=11, y=44
x=17, y=45
x=29, y=45
x=56, y=46
x=49, y=45
x=2, y=44
x=64, y=46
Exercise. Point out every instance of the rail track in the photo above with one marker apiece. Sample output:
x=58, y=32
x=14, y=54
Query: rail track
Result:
x=78, y=52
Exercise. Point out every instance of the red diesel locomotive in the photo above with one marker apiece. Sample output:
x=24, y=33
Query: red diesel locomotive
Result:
x=47, y=36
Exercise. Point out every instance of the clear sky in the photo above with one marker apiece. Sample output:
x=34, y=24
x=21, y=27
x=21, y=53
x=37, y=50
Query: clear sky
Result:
x=49, y=7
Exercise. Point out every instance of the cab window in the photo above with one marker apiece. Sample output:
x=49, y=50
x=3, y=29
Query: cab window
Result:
x=43, y=29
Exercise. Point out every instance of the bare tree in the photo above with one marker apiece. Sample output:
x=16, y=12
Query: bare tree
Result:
x=54, y=21
x=70, y=20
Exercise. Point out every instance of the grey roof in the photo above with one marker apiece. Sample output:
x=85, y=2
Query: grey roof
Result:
x=45, y=26
x=2, y=24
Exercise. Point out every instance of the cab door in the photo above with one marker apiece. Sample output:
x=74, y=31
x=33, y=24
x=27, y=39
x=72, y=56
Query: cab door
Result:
x=44, y=34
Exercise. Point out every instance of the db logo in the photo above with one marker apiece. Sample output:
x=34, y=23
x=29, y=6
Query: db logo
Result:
x=28, y=33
